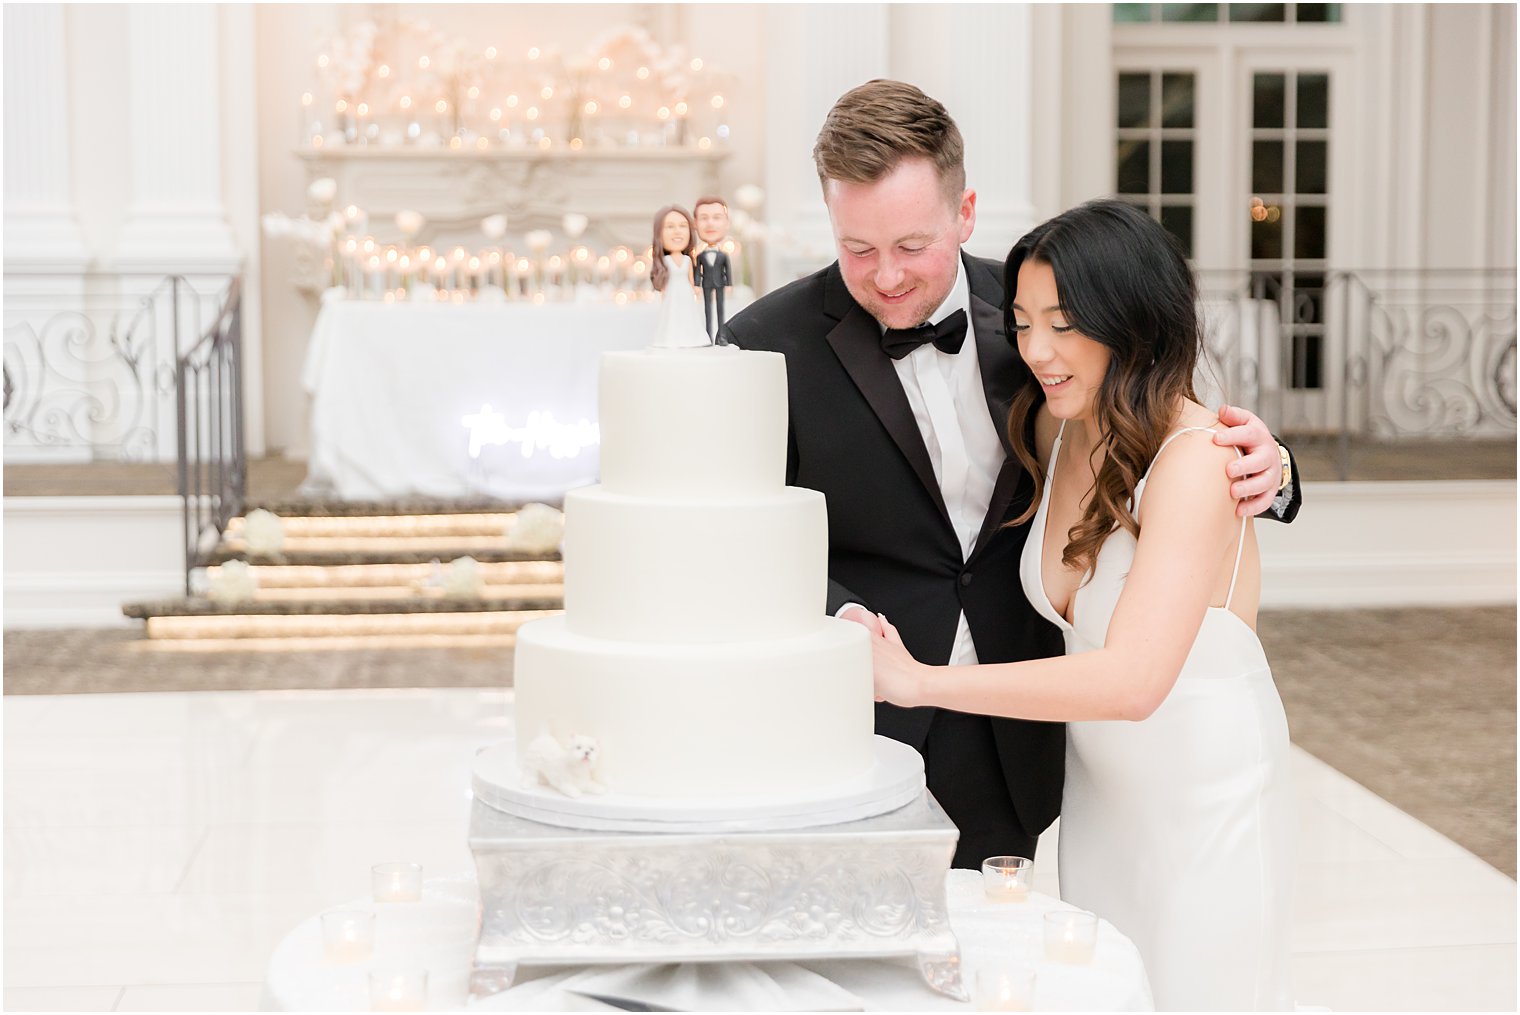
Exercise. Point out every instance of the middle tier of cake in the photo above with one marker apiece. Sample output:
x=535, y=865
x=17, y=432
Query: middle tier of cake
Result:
x=663, y=571
x=766, y=715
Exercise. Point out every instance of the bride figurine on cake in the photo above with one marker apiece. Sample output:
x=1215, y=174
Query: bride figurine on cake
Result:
x=681, y=321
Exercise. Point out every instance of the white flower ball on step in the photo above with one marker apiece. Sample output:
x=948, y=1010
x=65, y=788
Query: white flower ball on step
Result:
x=539, y=529
x=263, y=532
x=233, y=582
x=463, y=579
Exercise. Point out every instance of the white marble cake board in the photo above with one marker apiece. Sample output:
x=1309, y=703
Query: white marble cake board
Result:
x=895, y=780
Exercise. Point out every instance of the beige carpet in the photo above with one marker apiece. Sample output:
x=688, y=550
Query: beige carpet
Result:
x=1417, y=705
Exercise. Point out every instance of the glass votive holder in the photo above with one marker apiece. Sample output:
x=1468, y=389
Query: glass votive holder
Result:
x=348, y=935
x=1004, y=988
x=398, y=990
x=396, y=882
x=1007, y=878
x=1071, y=936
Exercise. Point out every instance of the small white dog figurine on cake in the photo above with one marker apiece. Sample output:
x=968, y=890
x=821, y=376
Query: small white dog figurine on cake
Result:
x=570, y=770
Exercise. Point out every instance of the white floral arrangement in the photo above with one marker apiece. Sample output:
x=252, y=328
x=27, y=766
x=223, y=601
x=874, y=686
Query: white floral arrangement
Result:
x=539, y=528
x=462, y=579
x=315, y=236
x=263, y=532
x=233, y=582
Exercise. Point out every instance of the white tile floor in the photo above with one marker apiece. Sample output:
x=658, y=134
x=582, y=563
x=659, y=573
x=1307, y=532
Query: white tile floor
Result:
x=157, y=846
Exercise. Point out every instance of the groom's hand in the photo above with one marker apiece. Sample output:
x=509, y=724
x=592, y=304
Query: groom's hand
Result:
x=1259, y=473
x=862, y=616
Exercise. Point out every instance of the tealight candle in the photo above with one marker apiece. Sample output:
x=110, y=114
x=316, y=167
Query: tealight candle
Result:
x=396, y=882
x=398, y=990
x=1006, y=878
x=1008, y=988
x=1071, y=936
x=348, y=935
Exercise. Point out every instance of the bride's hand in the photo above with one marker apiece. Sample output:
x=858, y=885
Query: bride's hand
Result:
x=898, y=676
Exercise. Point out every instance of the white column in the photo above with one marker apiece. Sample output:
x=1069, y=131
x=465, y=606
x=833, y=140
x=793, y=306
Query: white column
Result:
x=976, y=59
x=176, y=220
x=815, y=53
x=40, y=227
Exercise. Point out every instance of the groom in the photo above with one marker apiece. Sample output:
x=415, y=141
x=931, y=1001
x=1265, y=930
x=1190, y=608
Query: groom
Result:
x=899, y=377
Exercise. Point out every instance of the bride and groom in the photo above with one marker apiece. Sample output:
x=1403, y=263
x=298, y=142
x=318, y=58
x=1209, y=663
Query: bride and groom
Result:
x=954, y=415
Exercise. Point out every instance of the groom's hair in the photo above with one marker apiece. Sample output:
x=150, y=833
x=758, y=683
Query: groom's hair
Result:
x=874, y=127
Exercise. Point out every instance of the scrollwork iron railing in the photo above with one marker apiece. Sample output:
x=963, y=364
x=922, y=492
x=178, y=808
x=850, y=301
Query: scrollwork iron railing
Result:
x=124, y=367
x=1377, y=354
x=89, y=364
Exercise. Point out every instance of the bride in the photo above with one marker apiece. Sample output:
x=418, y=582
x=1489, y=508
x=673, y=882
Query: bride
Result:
x=1176, y=818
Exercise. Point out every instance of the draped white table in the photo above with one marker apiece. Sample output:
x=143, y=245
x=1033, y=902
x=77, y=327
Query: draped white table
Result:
x=403, y=393
x=438, y=934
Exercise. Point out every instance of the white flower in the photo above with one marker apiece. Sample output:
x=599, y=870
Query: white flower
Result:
x=539, y=528
x=322, y=191
x=232, y=582
x=263, y=532
x=494, y=226
x=574, y=224
x=749, y=197
x=409, y=222
x=539, y=240
x=277, y=224
x=463, y=579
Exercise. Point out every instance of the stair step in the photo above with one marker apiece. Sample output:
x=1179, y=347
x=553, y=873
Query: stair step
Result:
x=395, y=626
x=296, y=507
x=487, y=524
x=272, y=577
x=491, y=601
x=328, y=557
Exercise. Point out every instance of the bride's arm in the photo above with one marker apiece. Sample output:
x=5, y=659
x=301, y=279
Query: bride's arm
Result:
x=1188, y=533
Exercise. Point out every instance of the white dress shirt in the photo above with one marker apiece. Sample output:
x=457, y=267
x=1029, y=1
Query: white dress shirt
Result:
x=949, y=405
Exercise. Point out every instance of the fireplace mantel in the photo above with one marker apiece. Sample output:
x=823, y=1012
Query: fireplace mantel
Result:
x=618, y=190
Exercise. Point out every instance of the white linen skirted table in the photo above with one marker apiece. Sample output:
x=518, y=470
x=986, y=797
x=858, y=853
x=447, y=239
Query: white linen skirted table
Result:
x=438, y=934
x=403, y=393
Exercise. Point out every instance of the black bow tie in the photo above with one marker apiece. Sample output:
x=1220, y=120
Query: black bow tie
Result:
x=948, y=336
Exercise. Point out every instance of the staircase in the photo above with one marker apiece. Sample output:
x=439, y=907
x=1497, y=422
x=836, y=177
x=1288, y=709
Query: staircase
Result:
x=365, y=574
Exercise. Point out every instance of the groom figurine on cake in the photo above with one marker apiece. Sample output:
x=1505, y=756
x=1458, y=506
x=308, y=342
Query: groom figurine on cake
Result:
x=899, y=379
x=712, y=269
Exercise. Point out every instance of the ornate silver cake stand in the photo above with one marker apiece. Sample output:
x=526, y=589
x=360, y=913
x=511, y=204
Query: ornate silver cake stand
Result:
x=562, y=896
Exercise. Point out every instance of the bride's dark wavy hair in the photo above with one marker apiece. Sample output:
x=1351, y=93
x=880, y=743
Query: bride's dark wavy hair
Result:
x=1121, y=280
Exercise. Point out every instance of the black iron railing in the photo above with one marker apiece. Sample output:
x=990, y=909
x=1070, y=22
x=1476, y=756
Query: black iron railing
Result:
x=213, y=460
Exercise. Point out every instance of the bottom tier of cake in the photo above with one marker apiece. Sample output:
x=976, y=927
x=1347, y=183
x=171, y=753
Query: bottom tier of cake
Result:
x=677, y=721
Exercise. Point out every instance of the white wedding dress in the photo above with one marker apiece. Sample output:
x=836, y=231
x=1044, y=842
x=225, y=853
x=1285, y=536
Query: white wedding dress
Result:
x=682, y=321
x=1178, y=829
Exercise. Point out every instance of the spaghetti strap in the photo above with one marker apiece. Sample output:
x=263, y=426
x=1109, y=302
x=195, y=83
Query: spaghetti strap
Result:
x=1240, y=542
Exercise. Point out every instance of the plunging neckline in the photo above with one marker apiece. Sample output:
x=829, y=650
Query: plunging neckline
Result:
x=1038, y=527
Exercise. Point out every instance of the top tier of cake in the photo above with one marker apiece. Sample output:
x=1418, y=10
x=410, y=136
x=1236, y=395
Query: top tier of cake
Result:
x=706, y=424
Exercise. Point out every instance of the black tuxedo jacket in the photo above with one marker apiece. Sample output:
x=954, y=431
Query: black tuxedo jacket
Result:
x=892, y=547
x=715, y=277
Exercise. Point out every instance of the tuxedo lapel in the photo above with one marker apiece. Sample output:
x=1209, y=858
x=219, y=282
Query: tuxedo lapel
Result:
x=995, y=359
x=856, y=340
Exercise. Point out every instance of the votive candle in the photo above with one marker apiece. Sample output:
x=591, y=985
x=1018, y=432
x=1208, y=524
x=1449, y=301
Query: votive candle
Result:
x=396, y=882
x=348, y=935
x=1071, y=936
x=1006, y=878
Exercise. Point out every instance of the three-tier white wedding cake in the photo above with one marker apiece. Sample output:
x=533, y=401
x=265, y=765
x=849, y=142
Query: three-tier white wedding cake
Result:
x=694, y=649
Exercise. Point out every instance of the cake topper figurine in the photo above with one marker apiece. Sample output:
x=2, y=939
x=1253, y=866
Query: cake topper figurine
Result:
x=671, y=274
x=713, y=272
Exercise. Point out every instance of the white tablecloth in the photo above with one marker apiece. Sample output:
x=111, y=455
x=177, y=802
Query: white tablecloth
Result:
x=392, y=384
x=438, y=934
